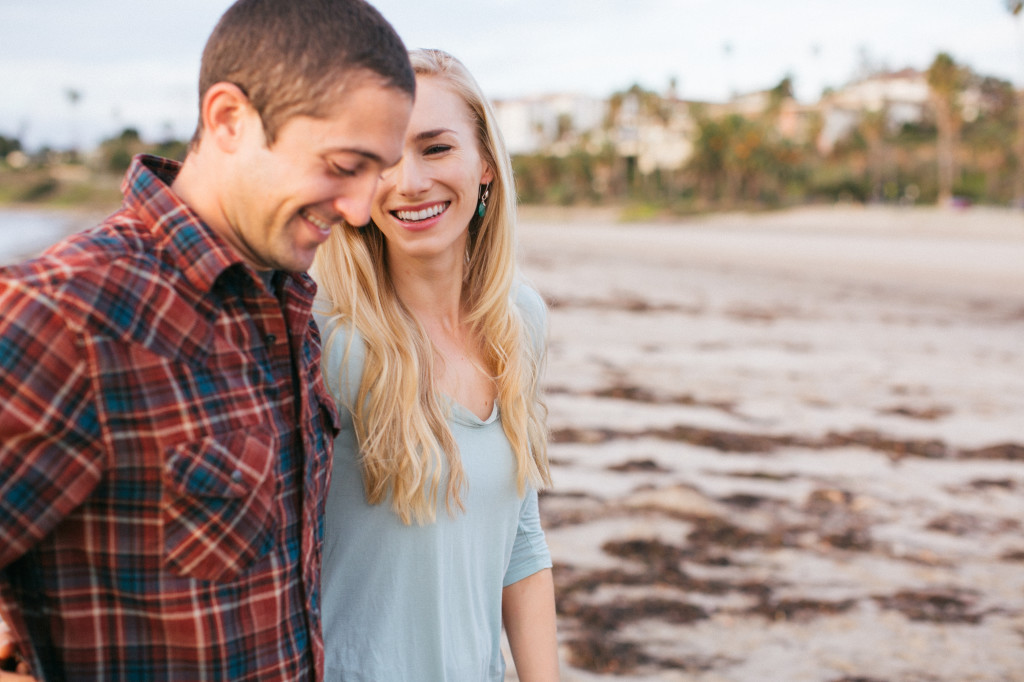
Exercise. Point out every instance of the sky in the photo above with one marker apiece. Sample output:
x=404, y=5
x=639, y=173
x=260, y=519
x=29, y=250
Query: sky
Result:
x=135, y=63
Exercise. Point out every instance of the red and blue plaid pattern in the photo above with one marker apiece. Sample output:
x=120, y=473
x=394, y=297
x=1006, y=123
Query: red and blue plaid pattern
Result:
x=164, y=454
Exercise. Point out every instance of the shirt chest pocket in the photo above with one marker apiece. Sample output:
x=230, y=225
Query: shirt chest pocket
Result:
x=217, y=512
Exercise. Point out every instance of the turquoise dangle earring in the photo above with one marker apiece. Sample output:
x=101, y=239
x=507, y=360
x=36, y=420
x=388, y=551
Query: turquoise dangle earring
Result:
x=482, y=206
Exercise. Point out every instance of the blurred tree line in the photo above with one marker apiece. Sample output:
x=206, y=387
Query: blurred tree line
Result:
x=733, y=156
x=742, y=159
x=74, y=177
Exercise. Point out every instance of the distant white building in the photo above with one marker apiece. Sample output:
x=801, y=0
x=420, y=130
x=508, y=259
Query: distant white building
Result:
x=904, y=92
x=534, y=124
x=660, y=140
x=556, y=124
x=664, y=139
x=903, y=95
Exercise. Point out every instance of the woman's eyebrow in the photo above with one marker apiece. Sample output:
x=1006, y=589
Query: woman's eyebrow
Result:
x=429, y=134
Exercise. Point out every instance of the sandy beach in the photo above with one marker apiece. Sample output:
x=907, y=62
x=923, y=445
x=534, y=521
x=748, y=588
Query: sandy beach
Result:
x=787, y=446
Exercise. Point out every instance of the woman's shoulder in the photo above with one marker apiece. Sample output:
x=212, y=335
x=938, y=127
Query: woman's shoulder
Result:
x=333, y=324
x=533, y=312
x=343, y=355
x=530, y=303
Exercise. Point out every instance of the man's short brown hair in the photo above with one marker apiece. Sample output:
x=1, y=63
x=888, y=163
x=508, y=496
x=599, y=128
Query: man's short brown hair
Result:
x=293, y=57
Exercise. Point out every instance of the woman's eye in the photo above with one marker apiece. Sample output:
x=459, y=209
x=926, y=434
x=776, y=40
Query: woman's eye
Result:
x=342, y=171
x=437, y=148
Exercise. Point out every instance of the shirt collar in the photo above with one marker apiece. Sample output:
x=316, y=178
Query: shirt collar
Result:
x=183, y=239
x=188, y=243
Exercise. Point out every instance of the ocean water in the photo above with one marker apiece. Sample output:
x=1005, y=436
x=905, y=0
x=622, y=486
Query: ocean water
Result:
x=26, y=232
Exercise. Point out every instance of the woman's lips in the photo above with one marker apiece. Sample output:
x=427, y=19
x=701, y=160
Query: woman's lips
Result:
x=421, y=214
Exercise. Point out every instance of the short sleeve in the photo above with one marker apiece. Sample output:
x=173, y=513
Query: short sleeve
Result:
x=530, y=550
x=534, y=315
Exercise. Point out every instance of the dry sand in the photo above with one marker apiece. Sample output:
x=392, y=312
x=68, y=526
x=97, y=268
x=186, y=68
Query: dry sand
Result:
x=787, y=446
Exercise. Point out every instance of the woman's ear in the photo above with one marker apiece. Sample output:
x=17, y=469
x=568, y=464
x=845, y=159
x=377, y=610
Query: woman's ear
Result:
x=488, y=176
x=227, y=113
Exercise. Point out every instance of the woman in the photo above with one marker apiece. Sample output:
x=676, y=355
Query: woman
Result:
x=433, y=352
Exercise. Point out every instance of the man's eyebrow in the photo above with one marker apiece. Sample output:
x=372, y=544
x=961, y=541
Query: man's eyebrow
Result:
x=367, y=154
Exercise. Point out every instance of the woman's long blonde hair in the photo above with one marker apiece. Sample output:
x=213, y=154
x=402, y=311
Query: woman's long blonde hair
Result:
x=400, y=420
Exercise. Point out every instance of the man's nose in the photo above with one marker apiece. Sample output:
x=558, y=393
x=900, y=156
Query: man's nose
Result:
x=410, y=176
x=354, y=206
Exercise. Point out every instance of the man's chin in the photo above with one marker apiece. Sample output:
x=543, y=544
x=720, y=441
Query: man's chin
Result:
x=302, y=260
x=299, y=261
x=297, y=266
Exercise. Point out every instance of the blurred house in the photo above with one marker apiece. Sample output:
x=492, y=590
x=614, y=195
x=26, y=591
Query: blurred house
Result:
x=649, y=131
x=548, y=123
x=657, y=132
x=793, y=121
x=902, y=96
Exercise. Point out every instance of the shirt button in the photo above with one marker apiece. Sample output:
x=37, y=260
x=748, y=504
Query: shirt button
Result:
x=271, y=339
x=236, y=476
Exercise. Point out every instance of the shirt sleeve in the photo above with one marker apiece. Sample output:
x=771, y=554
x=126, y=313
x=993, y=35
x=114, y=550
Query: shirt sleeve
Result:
x=49, y=428
x=534, y=314
x=530, y=549
x=343, y=357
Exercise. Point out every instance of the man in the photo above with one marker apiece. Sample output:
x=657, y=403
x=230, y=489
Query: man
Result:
x=164, y=430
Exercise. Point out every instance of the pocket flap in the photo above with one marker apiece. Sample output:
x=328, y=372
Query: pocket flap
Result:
x=227, y=465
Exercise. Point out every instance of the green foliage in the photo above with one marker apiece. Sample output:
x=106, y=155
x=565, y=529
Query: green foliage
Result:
x=837, y=185
x=997, y=98
x=745, y=162
x=8, y=145
x=971, y=185
x=43, y=189
x=117, y=151
x=913, y=135
x=738, y=161
x=945, y=76
x=562, y=180
x=42, y=185
x=171, y=149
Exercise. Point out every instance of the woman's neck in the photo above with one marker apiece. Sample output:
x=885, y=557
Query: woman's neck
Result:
x=431, y=290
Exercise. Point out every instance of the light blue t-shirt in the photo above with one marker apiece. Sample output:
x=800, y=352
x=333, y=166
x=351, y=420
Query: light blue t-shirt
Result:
x=422, y=603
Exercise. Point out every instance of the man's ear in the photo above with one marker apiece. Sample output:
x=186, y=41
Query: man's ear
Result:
x=226, y=113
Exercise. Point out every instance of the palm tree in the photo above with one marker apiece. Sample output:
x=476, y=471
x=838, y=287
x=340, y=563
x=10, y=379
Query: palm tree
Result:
x=946, y=80
x=74, y=96
x=874, y=128
x=1015, y=7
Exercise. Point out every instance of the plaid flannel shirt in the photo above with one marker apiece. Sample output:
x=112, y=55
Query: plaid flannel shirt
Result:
x=165, y=442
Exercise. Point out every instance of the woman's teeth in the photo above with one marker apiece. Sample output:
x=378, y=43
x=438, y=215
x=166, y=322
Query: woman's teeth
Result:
x=416, y=216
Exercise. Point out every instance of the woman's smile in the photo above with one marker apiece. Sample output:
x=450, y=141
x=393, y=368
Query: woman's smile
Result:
x=416, y=215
